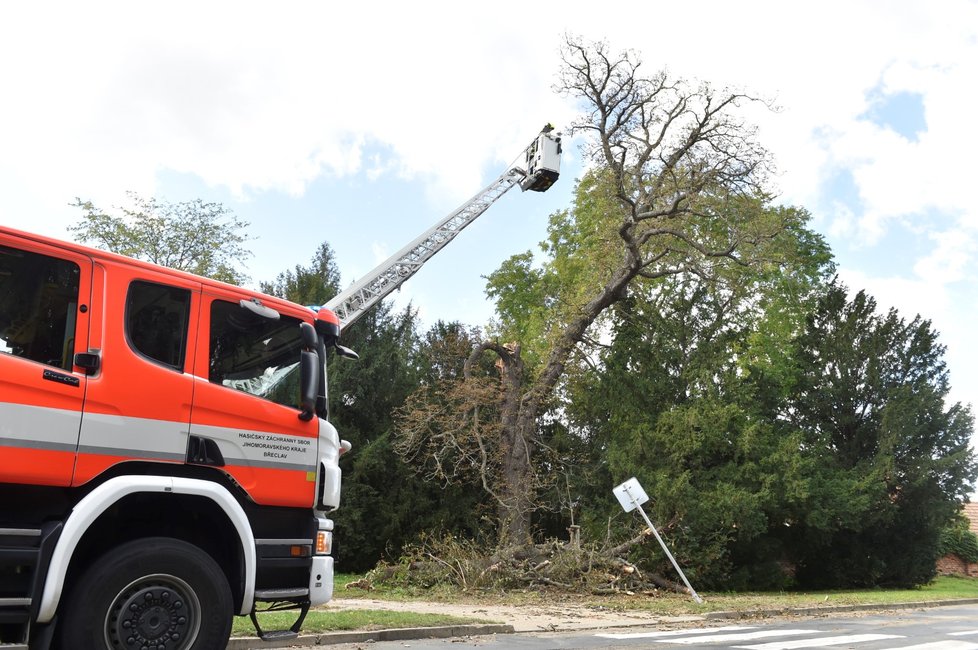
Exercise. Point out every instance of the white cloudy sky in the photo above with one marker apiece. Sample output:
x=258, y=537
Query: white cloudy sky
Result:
x=362, y=125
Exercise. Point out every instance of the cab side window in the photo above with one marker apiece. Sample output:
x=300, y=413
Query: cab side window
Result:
x=38, y=304
x=255, y=355
x=156, y=322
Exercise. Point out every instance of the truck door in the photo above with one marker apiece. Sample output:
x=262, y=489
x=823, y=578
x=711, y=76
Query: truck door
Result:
x=248, y=407
x=138, y=404
x=45, y=295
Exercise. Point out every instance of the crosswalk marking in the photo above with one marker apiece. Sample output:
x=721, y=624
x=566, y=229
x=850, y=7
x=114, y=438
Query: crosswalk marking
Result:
x=818, y=643
x=736, y=635
x=943, y=645
x=746, y=636
x=695, y=630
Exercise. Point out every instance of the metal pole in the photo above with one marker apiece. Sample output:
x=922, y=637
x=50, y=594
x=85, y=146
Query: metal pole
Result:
x=675, y=564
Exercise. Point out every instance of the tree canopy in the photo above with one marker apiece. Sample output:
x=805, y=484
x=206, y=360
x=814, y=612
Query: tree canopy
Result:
x=195, y=236
x=891, y=458
x=685, y=328
x=678, y=325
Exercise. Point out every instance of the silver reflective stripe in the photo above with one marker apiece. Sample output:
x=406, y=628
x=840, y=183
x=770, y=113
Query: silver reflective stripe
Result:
x=130, y=453
x=129, y=436
x=37, y=444
x=38, y=427
x=35, y=427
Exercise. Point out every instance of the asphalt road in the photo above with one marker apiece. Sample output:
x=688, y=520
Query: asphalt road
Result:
x=941, y=628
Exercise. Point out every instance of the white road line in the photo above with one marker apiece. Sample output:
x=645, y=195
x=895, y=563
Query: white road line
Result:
x=746, y=636
x=965, y=633
x=818, y=643
x=941, y=645
x=657, y=635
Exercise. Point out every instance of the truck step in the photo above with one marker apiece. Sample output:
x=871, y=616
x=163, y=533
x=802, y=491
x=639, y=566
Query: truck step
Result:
x=280, y=594
x=19, y=552
x=282, y=635
x=21, y=576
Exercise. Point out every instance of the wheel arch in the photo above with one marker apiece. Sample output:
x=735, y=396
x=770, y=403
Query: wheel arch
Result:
x=92, y=517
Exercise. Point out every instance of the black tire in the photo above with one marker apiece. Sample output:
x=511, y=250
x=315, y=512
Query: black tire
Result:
x=158, y=593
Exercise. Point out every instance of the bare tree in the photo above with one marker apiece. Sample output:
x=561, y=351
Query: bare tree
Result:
x=683, y=176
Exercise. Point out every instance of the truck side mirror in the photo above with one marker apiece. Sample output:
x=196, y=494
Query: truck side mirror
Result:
x=344, y=351
x=307, y=334
x=308, y=384
x=310, y=368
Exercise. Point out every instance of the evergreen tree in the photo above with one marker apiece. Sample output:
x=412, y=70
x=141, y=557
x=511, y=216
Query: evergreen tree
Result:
x=891, y=459
x=308, y=285
x=386, y=503
x=678, y=398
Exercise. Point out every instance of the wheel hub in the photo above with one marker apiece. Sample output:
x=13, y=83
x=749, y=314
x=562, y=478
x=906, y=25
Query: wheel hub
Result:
x=152, y=615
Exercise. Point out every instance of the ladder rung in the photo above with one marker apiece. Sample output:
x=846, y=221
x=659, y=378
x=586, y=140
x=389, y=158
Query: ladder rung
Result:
x=15, y=602
x=20, y=532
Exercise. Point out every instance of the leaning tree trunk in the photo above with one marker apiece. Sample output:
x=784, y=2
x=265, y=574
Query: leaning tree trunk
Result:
x=516, y=496
x=518, y=485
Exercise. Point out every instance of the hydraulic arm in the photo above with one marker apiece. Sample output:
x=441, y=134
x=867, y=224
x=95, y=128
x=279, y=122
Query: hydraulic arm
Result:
x=541, y=169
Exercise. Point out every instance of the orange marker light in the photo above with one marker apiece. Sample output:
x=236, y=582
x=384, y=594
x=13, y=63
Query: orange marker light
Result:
x=324, y=542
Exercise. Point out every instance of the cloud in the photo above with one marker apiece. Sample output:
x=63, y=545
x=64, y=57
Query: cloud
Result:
x=256, y=100
x=936, y=301
x=902, y=179
x=953, y=257
x=104, y=97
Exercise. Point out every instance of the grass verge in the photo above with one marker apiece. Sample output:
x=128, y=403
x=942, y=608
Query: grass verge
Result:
x=664, y=604
x=667, y=604
x=943, y=588
x=354, y=619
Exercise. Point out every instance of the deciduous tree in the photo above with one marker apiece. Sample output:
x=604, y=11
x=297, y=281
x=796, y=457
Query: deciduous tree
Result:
x=676, y=187
x=195, y=236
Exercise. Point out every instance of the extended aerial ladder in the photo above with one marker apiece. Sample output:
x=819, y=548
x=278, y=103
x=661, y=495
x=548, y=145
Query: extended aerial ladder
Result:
x=540, y=169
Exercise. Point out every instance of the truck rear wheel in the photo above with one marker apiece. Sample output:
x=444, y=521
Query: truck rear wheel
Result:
x=158, y=593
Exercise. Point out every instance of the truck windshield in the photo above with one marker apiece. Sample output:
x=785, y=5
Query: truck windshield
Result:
x=255, y=355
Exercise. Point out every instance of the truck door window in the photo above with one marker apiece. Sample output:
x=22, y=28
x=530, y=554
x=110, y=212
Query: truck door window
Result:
x=38, y=303
x=156, y=322
x=253, y=354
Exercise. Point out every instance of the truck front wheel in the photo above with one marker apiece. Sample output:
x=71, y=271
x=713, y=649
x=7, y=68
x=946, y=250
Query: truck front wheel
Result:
x=158, y=592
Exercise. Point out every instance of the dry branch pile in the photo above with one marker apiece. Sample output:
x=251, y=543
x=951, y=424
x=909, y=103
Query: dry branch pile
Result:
x=553, y=565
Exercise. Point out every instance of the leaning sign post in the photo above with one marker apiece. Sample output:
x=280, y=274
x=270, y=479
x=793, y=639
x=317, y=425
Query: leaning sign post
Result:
x=631, y=496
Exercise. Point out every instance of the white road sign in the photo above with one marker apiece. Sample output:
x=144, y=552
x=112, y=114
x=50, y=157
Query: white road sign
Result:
x=630, y=494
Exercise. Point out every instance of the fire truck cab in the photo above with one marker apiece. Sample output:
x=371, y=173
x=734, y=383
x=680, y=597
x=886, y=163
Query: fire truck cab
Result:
x=166, y=461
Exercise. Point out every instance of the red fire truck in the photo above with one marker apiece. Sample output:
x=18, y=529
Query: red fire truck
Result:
x=166, y=460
